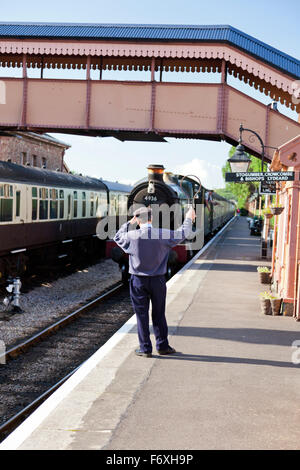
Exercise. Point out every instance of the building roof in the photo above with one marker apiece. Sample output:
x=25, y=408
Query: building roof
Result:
x=161, y=33
x=47, y=138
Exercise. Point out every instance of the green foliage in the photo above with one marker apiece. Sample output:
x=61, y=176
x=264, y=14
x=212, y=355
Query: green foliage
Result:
x=242, y=191
x=225, y=193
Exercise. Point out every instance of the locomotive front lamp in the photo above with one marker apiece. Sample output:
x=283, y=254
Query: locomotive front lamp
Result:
x=239, y=162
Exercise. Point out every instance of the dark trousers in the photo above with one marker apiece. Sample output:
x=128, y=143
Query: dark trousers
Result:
x=142, y=290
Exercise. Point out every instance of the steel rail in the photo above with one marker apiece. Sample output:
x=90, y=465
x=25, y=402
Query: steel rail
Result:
x=25, y=345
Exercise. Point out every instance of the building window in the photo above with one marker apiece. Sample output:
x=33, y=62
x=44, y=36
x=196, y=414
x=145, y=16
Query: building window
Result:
x=44, y=162
x=24, y=158
x=34, y=160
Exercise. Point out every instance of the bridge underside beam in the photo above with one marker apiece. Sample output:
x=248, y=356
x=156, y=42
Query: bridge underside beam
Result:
x=141, y=111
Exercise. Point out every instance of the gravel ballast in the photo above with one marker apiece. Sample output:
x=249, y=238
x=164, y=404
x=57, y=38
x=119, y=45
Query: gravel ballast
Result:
x=52, y=300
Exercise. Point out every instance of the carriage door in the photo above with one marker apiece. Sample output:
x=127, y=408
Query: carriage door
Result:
x=19, y=207
x=69, y=207
x=68, y=224
x=20, y=235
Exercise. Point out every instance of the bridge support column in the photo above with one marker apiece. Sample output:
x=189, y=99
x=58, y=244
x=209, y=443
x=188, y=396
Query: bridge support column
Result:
x=25, y=92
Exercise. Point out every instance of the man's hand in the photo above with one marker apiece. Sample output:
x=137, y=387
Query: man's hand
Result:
x=133, y=220
x=191, y=214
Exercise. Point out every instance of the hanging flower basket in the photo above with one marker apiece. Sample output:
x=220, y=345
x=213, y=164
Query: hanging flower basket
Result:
x=267, y=213
x=276, y=210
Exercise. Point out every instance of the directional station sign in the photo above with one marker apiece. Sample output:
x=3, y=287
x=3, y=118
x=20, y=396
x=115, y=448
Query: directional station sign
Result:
x=268, y=177
x=267, y=188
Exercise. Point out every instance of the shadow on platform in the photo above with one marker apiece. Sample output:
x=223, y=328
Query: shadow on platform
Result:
x=245, y=335
x=229, y=360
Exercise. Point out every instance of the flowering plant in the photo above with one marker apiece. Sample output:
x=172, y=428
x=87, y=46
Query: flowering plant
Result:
x=267, y=210
x=263, y=269
x=266, y=295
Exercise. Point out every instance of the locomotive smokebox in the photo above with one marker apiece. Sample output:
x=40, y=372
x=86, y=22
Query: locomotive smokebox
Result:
x=156, y=173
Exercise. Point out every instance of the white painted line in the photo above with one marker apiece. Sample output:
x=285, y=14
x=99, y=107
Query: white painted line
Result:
x=20, y=434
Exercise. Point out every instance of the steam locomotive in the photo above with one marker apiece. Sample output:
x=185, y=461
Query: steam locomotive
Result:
x=165, y=188
x=49, y=217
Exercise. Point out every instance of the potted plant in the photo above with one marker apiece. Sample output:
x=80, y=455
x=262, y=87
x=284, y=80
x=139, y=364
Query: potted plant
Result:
x=275, y=304
x=265, y=303
x=276, y=209
x=264, y=274
x=267, y=213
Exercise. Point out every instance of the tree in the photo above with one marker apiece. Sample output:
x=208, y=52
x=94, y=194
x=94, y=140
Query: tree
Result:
x=242, y=191
x=226, y=194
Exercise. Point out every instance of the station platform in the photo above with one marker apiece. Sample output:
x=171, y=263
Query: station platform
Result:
x=233, y=383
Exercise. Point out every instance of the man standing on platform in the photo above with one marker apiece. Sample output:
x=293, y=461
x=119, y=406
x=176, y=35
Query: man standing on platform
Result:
x=148, y=249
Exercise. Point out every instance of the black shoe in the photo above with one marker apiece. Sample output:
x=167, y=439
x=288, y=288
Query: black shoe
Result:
x=138, y=352
x=164, y=352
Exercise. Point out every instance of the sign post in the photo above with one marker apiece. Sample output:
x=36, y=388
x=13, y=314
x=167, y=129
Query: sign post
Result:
x=266, y=177
x=268, y=189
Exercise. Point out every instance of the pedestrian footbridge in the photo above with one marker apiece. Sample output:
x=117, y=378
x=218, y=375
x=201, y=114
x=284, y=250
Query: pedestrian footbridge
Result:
x=151, y=109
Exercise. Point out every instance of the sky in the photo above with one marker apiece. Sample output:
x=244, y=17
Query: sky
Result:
x=272, y=21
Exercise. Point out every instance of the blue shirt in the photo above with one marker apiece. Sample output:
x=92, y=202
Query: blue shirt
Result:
x=148, y=248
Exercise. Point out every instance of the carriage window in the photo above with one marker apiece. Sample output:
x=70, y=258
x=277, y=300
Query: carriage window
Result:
x=53, y=204
x=75, y=207
x=102, y=208
x=96, y=204
x=6, y=203
x=69, y=204
x=43, y=193
x=43, y=212
x=61, y=204
x=92, y=205
x=18, y=203
x=113, y=204
x=34, y=203
x=101, y=205
x=83, y=204
x=122, y=204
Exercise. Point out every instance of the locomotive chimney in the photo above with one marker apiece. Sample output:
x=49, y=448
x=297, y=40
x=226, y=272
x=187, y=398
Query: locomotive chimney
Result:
x=155, y=172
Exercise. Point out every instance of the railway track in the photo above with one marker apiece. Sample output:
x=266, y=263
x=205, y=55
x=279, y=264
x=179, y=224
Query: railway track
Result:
x=36, y=367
